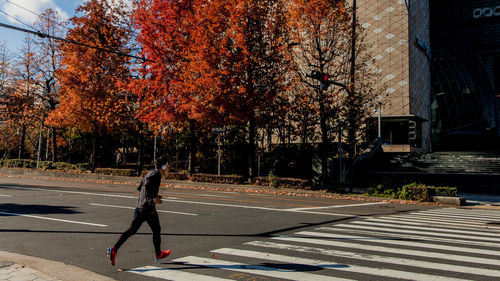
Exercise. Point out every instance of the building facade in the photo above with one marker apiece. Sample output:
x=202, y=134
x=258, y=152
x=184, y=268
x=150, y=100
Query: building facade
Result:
x=439, y=66
x=399, y=36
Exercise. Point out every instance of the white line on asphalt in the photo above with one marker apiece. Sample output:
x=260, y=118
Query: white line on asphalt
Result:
x=2, y=195
x=398, y=225
x=172, y=274
x=336, y=206
x=255, y=269
x=126, y=207
x=404, y=231
x=459, y=214
x=415, y=237
x=452, y=216
x=387, y=249
x=457, y=225
x=52, y=219
x=192, y=202
x=74, y=192
x=391, y=273
x=378, y=258
x=428, y=219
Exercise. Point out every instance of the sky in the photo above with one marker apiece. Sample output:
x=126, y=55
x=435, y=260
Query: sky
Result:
x=14, y=39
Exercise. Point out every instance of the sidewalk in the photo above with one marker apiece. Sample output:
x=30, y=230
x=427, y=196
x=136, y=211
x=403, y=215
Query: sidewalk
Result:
x=16, y=267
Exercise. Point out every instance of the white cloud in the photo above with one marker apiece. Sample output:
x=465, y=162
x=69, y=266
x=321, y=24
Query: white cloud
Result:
x=35, y=6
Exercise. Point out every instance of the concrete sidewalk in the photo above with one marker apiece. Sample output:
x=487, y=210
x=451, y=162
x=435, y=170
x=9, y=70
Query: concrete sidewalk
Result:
x=16, y=267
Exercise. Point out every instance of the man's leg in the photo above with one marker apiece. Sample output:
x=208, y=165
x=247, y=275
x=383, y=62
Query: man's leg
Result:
x=154, y=224
x=136, y=223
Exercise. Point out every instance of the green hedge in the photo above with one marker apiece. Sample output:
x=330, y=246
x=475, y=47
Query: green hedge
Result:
x=116, y=172
x=278, y=182
x=227, y=179
x=412, y=191
x=176, y=176
x=44, y=165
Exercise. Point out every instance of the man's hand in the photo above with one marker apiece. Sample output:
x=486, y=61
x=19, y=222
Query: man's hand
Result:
x=157, y=200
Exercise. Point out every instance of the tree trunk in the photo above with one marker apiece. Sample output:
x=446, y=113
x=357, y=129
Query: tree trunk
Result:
x=21, y=145
x=192, y=147
x=140, y=153
x=54, y=144
x=323, y=146
x=251, y=149
x=93, y=156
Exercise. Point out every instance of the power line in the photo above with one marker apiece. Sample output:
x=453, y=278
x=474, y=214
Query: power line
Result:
x=36, y=14
x=44, y=35
x=16, y=19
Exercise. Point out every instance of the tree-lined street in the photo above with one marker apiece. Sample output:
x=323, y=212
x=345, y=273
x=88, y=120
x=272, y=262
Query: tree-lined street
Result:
x=248, y=236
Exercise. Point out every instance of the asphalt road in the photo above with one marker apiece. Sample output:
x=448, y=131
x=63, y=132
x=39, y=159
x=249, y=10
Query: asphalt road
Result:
x=232, y=235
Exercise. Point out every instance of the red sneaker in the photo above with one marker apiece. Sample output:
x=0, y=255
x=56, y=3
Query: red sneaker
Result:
x=111, y=255
x=163, y=255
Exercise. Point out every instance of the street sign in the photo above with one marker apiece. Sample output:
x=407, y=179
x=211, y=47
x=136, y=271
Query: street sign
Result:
x=218, y=130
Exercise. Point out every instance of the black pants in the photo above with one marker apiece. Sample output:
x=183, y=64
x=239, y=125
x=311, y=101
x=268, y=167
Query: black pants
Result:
x=140, y=216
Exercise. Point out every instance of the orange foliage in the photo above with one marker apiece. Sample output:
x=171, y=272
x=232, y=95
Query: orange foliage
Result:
x=89, y=97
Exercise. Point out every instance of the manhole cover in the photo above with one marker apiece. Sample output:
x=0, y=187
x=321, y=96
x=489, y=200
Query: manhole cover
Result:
x=4, y=264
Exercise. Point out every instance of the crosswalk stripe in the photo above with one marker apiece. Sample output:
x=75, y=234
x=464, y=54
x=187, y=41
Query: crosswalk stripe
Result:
x=386, y=249
x=377, y=258
x=457, y=225
x=441, y=219
x=453, y=216
x=171, y=274
x=465, y=212
x=413, y=237
x=255, y=269
x=397, y=230
x=329, y=265
x=388, y=223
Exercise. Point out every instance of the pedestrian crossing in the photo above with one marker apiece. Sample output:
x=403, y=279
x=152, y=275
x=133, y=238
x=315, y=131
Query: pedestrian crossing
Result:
x=437, y=244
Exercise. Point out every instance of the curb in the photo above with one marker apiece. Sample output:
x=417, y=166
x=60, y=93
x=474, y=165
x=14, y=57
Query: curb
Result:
x=447, y=200
x=56, y=270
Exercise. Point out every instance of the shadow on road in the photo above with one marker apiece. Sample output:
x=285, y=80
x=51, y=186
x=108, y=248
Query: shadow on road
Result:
x=34, y=209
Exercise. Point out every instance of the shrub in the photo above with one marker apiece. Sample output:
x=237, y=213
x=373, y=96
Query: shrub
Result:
x=274, y=181
x=176, y=176
x=381, y=191
x=116, y=172
x=226, y=179
x=412, y=191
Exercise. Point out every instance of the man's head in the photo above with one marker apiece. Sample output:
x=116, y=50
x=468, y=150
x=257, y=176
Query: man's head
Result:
x=161, y=163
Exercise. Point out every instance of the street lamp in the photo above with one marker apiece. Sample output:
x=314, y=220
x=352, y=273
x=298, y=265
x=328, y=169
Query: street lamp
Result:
x=340, y=150
x=379, y=115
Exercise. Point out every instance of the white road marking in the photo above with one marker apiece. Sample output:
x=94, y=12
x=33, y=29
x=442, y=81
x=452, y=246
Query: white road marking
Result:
x=337, y=206
x=405, y=231
x=386, y=249
x=255, y=269
x=126, y=207
x=388, y=223
x=329, y=265
x=192, y=202
x=378, y=258
x=3, y=195
x=52, y=219
x=75, y=192
x=448, y=223
x=172, y=274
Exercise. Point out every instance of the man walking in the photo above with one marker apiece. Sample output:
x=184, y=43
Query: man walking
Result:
x=145, y=211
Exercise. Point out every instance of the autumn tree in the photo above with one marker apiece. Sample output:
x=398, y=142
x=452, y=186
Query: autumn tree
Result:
x=89, y=98
x=319, y=32
x=321, y=35
x=239, y=46
x=47, y=58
